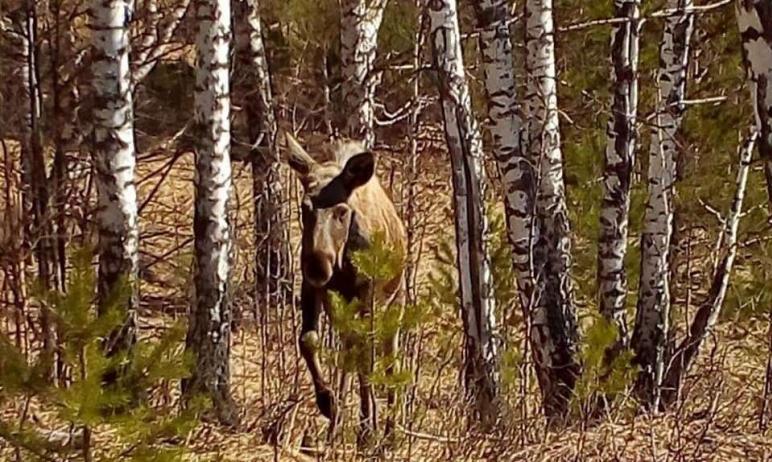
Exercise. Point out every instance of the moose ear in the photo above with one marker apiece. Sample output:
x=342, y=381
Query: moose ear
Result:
x=297, y=157
x=358, y=170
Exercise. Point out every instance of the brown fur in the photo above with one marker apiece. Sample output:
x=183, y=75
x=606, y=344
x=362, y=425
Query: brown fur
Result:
x=344, y=205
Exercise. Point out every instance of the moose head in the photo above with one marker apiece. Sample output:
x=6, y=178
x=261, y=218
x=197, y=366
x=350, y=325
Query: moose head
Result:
x=327, y=216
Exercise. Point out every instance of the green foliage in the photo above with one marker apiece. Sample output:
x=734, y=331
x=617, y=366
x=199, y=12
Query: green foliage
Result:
x=749, y=296
x=378, y=262
x=601, y=378
x=511, y=363
x=311, y=21
x=442, y=278
x=500, y=252
x=365, y=337
x=362, y=335
x=398, y=28
x=182, y=270
x=88, y=403
x=584, y=161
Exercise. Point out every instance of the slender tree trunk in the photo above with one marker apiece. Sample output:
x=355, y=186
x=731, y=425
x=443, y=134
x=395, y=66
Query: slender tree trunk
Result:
x=209, y=333
x=66, y=136
x=114, y=159
x=553, y=318
x=359, y=24
x=652, y=316
x=518, y=175
x=754, y=18
x=155, y=40
x=506, y=127
x=65, y=98
x=38, y=232
x=59, y=167
x=618, y=166
x=410, y=191
x=465, y=147
x=707, y=314
x=272, y=258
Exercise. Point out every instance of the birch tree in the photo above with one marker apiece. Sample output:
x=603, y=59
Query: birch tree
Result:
x=619, y=161
x=155, y=38
x=272, y=258
x=553, y=319
x=754, y=19
x=506, y=128
x=708, y=312
x=465, y=148
x=114, y=159
x=653, y=311
x=210, y=318
x=359, y=24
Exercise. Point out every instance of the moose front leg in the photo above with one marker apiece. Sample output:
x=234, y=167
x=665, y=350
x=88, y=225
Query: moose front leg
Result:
x=311, y=302
x=391, y=352
x=392, y=413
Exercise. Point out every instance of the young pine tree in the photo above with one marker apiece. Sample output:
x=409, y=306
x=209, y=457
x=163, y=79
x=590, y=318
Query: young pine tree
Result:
x=88, y=405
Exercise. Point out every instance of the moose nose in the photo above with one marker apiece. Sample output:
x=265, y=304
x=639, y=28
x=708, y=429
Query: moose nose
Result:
x=318, y=270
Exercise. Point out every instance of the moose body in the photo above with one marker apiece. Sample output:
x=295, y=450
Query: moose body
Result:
x=343, y=207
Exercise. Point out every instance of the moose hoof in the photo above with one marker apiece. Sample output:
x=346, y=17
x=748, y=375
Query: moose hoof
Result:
x=325, y=401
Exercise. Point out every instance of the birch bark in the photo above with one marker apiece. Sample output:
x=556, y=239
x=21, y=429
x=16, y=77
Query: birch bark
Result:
x=709, y=310
x=209, y=332
x=465, y=147
x=114, y=159
x=619, y=161
x=553, y=319
x=653, y=310
x=754, y=19
x=359, y=24
x=155, y=40
x=506, y=127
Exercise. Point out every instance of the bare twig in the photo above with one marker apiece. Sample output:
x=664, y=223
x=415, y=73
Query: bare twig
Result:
x=663, y=13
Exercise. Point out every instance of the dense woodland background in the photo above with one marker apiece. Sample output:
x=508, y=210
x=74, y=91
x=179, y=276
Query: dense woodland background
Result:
x=66, y=276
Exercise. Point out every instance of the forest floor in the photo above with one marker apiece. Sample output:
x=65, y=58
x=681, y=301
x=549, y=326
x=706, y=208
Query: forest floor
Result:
x=719, y=418
x=718, y=421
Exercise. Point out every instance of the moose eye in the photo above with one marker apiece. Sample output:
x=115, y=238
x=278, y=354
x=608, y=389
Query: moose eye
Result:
x=340, y=213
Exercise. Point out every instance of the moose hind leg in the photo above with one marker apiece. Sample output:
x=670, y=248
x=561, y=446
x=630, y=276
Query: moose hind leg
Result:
x=391, y=349
x=311, y=304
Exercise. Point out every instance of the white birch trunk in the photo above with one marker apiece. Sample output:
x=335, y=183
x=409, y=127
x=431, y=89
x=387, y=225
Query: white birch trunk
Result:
x=754, y=19
x=653, y=311
x=155, y=40
x=359, y=24
x=114, y=158
x=506, y=127
x=465, y=148
x=210, y=320
x=707, y=315
x=553, y=319
x=619, y=162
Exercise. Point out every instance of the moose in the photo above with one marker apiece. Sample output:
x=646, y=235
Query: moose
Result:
x=343, y=207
